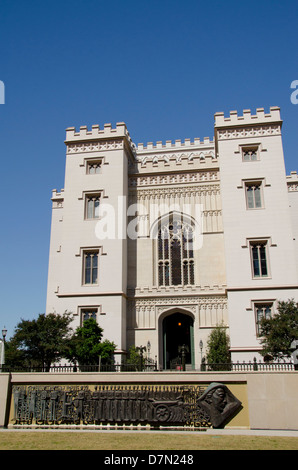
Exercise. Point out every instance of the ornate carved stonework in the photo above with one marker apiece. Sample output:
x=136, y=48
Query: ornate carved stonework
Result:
x=95, y=146
x=242, y=132
x=176, y=178
x=293, y=187
x=177, y=156
x=144, y=313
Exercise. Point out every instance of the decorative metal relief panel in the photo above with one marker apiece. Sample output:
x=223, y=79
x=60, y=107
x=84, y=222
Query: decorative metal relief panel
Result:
x=154, y=405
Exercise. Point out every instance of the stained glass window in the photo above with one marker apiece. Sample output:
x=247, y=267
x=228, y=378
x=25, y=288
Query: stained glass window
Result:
x=175, y=254
x=176, y=262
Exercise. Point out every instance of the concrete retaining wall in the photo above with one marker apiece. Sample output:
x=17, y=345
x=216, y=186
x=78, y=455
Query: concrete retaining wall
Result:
x=268, y=399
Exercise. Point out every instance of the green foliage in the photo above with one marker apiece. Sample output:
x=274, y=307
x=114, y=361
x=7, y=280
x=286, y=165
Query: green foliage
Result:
x=85, y=345
x=218, y=347
x=39, y=342
x=278, y=332
x=135, y=359
x=49, y=338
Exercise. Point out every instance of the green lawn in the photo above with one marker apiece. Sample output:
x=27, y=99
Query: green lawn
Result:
x=40, y=440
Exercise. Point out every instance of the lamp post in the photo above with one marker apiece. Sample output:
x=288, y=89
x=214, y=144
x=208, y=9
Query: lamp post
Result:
x=2, y=347
x=4, y=333
x=201, y=348
x=148, y=349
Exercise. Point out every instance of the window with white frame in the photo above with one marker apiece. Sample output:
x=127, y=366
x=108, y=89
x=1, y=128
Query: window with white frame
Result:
x=175, y=254
x=90, y=267
x=92, y=206
x=259, y=258
x=253, y=192
x=262, y=310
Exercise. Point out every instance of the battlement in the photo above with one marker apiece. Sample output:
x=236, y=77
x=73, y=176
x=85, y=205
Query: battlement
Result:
x=292, y=182
x=73, y=135
x=169, y=145
x=96, y=133
x=173, y=153
x=248, y=118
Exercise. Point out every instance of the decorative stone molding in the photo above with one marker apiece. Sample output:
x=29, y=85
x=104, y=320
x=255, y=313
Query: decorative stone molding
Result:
x=292, y=181
x=208, y=311
x=243, y=132
x=95, y=146
x=94, y=139
x=176, y=178
x=182, y=192
x=177, y=157
x=293, y=187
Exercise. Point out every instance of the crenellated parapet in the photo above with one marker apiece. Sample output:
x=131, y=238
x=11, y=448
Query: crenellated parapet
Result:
x=97, y=139
x=292, y=181
x=247, y=118
x=57, y=199
x=175, y=155
x=173, y=145
x=247, y=125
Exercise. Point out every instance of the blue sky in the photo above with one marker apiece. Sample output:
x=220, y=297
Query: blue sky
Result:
x=163, y=67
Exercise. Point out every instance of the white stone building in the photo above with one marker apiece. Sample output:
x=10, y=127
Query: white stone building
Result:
x=163, y=242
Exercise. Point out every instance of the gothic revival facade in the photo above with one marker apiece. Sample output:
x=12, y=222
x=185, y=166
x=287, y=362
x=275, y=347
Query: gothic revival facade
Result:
x=161, y=243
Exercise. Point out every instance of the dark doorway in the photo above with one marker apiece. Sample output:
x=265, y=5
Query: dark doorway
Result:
x=177, y=331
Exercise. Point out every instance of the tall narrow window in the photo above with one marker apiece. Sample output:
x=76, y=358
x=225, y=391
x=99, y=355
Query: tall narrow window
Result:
x=92, y=207
x=175, y=254
x=176, y=261
x=253, y=195
x=262, y=311
x=90, y=267
x=259, y=259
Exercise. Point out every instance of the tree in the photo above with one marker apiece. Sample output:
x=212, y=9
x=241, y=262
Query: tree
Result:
x=135, y=358
x=218, y=348
x=85, y=346
x=278, y=332
x=39, y=342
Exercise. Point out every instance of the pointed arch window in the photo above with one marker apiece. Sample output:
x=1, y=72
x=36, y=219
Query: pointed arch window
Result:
x=175, y=254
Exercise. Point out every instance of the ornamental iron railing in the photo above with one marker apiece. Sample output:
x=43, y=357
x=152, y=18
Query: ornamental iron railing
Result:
x=152, y=366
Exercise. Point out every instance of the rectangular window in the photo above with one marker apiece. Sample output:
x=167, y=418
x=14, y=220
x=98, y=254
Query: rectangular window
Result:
x=250, y=154
x=94, y=167
x=253, y=192
x=87, y=313
x=90, y=268
x=262, y=310
x=259, y=259
x=92, y=206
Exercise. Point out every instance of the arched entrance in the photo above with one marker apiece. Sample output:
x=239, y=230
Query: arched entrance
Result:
x=178, y=332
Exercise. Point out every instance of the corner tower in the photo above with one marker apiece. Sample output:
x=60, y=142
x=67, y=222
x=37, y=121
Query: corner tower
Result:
x=259, y=249
x=88, y=250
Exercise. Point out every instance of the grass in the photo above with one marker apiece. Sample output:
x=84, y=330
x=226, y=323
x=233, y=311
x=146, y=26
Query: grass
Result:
x=40, y=440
